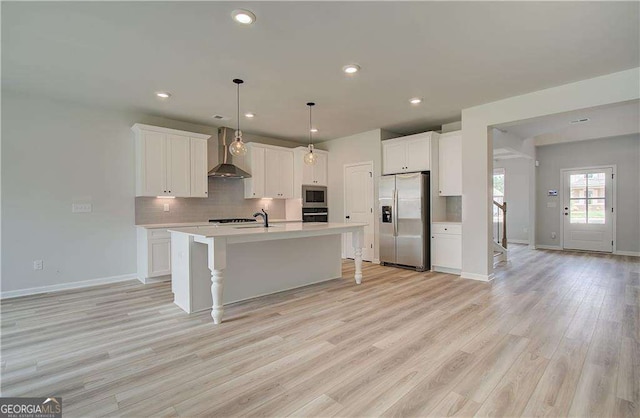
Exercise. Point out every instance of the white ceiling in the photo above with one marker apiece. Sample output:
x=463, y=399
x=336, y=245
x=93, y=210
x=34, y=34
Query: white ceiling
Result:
x=604, y=122
x=454, y=54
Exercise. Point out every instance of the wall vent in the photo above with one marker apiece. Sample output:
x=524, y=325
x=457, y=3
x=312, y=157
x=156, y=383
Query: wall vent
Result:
x=219, y=117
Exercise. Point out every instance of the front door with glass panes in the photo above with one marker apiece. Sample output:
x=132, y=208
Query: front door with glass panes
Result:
x=588, y=209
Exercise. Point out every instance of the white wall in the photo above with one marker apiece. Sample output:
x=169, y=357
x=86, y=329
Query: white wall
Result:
x=624, y=152
x=477, y=164
x=53, y=153
x=362, y=147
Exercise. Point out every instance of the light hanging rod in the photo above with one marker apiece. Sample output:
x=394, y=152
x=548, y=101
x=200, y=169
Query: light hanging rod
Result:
x=310, y=104
x=238, y=82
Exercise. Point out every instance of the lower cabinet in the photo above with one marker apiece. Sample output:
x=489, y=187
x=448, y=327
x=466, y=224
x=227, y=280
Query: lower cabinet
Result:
x=446, y=247
x=154, y=254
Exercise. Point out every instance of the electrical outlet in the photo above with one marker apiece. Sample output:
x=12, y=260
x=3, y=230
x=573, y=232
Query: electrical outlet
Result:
x=525, y=230
x=166, y=207
x=81, y=208
x=38, y=265
x=553, y=235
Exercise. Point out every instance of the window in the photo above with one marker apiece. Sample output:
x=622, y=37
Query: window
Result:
x=587, y=203
x=498, y=191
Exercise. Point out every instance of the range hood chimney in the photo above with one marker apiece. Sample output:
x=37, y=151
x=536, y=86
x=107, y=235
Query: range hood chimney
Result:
x=225, y=169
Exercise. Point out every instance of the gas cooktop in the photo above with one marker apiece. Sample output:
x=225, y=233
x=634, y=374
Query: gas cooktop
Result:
x=232, y=220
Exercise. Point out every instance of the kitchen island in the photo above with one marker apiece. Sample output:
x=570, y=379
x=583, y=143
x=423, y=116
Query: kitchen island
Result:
x=248, y=261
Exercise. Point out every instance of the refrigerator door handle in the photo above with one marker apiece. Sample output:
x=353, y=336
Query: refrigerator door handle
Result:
x=395, y=212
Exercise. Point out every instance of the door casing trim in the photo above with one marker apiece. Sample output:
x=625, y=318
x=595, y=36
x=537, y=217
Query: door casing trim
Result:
x=614, y=198
x=373, y=203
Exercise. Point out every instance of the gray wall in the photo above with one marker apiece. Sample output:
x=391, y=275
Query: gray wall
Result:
x=357, y=148
x=624, y=151
x=55, y=152
x=517, y=196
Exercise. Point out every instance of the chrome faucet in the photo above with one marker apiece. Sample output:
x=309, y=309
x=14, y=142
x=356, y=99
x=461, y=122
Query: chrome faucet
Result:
x=265, y=217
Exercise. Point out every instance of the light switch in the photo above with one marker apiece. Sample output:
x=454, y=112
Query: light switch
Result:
x=166, y=207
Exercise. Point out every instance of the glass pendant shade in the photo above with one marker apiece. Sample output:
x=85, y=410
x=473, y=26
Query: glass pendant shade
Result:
x=310, y=157
x=237, y=147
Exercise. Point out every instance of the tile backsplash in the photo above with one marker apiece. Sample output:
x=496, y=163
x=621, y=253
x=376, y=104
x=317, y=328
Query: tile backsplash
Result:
x=226, y=200
x=454, y=208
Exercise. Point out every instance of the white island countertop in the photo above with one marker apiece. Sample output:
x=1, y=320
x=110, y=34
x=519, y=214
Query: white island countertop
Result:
x=250, y=232
x=199, y=223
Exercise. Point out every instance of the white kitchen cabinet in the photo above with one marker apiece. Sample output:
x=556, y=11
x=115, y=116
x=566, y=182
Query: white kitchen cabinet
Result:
x=278, y=168
x=271, y=170
x=154, y=254
x=446, y=247
x=151, y=171
x=407, y=154
x=309, y=175
x=254, y=186
x=199, y=168
x=178, y=166
x=165, y=160
x=450, y=160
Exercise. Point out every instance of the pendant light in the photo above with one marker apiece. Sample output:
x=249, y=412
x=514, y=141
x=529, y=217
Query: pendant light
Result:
x=310, y=157
x=237, y=147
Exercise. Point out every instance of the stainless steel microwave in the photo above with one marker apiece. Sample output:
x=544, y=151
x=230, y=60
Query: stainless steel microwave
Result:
x=314, y=197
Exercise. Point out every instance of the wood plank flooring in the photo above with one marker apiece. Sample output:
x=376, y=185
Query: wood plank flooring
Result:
x=555, y=334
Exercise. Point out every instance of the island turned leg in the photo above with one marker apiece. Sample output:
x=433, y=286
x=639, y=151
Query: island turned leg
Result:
x=217, y=284
x=358, y=241
x=217, y=263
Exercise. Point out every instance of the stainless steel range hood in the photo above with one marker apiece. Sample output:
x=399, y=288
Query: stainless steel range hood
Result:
x=225, y=169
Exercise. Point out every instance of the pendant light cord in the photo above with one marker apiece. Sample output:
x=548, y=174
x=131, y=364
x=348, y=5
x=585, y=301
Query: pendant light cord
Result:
x=310, y=133
x=238, y=102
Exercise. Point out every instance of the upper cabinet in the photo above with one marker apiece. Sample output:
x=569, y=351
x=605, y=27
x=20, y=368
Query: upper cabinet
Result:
x=407, y=154
x=310, y=175
x=450, y=160
x=199, y=168
x=170, y=162
x=271, y=170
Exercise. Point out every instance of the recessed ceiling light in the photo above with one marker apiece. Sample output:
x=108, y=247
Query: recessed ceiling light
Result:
x=314, y=130
x=351, y=68
x=415, y=100
x=163, y=94
x=243, y=16
x=249, y=115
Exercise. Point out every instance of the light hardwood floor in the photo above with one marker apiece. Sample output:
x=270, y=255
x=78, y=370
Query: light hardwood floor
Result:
x=555, y=334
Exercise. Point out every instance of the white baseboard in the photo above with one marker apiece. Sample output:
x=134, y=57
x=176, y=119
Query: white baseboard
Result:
x=66, y=286
x=548, y=247
x=446, y=270
x=157, y=279
x=629, y=253
x=475, y=276
x=376, y=261
x=518, y=241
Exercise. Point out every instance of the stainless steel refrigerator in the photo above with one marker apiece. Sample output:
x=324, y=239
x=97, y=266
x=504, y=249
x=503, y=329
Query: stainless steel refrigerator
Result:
x=405, y=224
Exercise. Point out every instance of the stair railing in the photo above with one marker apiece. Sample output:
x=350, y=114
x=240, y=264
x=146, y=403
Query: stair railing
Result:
x=502, y=207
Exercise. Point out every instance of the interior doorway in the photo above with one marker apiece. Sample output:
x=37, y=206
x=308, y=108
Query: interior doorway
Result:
x=358, y=205
x=588, y=211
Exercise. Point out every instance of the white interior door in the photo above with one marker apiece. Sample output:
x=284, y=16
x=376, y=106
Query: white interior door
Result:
x=588, y=209
x=358, y=206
